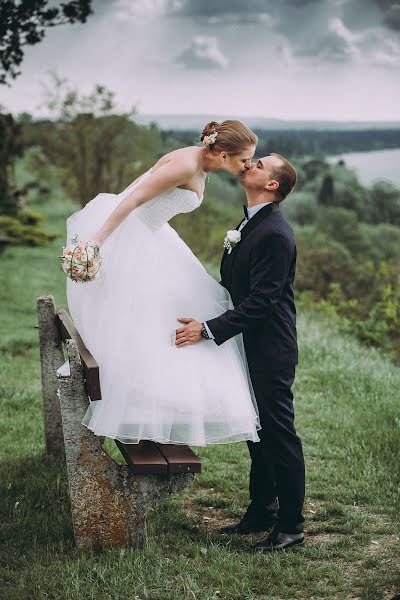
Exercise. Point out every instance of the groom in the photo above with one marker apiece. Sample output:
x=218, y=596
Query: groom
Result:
x=259, y=271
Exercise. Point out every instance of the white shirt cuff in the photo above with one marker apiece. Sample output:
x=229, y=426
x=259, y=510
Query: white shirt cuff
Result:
x=208, y=331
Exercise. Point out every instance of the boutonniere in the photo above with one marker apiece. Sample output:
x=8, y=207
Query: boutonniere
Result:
x=232, y=238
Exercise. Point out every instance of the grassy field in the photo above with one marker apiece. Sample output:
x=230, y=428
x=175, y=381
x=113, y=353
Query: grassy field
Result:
x=347, y=403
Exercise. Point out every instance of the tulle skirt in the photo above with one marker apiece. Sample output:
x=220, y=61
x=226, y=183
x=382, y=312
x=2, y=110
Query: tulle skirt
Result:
x=151, y=390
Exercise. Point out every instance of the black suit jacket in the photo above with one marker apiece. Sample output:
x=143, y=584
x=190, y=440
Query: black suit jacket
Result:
x=259, y=275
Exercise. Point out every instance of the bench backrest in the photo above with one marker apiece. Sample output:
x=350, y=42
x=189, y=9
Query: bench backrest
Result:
x=68, y=331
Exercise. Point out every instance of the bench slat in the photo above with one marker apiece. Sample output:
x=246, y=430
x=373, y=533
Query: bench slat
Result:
x=68, y=331
x=144, y=458
x=180, y=458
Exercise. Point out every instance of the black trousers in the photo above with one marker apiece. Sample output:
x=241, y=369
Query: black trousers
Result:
x=277, y=461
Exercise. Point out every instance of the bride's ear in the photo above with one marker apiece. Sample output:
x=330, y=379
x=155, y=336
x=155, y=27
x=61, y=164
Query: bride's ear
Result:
x=223, y=156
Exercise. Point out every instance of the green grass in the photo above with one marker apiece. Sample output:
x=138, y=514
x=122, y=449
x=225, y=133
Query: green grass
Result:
x=347, y=405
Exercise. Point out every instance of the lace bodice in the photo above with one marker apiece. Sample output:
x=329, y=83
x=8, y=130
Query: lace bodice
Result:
x=159, y=210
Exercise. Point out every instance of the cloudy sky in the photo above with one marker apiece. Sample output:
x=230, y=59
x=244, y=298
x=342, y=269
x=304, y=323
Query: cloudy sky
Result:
x=291, y=59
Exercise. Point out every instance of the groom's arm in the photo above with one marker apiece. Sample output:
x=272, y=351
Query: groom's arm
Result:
x=269, y=268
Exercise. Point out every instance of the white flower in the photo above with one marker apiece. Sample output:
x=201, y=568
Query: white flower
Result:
x=232, y=238
x=210, y=139
x=233, y=235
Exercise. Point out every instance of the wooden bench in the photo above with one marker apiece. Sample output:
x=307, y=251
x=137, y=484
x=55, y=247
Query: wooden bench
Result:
x=109, y=501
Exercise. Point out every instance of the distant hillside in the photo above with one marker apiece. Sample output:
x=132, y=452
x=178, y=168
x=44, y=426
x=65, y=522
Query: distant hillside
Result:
x=196, y=122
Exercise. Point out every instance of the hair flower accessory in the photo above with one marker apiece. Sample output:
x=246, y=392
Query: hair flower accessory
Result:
x=210, y=139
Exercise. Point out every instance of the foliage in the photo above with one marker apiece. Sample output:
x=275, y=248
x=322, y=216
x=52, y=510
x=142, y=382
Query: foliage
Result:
x=25, y=233
x=287, y=143
x=384, y=204
x=30, y=217
x=365, y=295
x=341, y=225
x=383, y=241
x=95, y=150
x=326, y=193
x=321, y=262
x=10, y=149
x=24, y=23
x=301, y=209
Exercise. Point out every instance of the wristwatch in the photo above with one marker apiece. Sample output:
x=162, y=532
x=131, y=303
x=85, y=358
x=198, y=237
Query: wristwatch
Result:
x=204, y=333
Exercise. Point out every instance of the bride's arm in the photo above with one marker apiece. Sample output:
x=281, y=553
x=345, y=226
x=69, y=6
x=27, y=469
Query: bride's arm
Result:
x=172, y=174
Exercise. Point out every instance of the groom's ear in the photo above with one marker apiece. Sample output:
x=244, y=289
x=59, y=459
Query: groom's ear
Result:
x=271, y=185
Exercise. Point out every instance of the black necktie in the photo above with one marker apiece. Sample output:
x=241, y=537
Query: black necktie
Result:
x=246, y=214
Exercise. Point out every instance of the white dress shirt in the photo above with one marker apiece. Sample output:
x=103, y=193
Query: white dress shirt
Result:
x=251, y=211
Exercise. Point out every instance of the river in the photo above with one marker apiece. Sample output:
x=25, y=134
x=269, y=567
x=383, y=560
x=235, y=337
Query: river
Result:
x=373, y=165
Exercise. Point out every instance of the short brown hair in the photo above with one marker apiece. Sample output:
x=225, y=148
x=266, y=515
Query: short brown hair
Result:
x=233, y=136
x=286, y=175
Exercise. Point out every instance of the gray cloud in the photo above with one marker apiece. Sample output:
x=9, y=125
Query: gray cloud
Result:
x=261, y=12
x=369, y=47
x=210, y=8
x=391, y=13
x=392, y=17
x=336, y=44
x=310, y=31
x=203, y=53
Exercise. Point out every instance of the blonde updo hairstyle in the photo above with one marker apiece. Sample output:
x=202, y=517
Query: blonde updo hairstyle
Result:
x=232, y=137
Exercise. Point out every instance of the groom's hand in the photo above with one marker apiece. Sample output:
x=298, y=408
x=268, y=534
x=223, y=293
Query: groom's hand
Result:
x=189, y=334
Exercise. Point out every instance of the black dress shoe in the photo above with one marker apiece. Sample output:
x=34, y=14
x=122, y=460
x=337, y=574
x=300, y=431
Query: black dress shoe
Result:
x=252, y=522
x=277, y=540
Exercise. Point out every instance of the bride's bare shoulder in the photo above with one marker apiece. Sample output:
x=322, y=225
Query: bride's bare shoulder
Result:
x=187, y=158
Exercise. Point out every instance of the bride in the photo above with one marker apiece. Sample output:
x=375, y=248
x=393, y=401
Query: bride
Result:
x=151, y=390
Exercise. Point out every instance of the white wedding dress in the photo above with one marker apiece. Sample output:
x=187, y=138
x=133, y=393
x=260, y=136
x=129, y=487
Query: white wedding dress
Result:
x=151, y=390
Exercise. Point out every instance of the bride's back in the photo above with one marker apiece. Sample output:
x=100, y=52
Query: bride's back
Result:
x=188, y=154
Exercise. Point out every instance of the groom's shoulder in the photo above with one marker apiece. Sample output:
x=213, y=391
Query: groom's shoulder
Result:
x=278, y=225
x=275, y=232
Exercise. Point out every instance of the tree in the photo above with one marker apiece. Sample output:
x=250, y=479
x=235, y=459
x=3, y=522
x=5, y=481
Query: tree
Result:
x=349, y=193
x=24, y=23
x=300, y=208
x=326, y=192
x=341, y=225
x=384, y=203
x=10, y=148
x=95, y=148
x=322, y=262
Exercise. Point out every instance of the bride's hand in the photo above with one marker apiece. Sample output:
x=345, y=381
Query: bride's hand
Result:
x=96, y=241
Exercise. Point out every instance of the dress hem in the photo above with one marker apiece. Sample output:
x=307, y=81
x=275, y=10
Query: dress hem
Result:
x=233, y=439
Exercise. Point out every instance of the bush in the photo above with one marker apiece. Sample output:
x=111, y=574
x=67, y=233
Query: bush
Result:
x=383, y=241
x=321, y=262
x=300, y=208
x=384, y=203
x=19, y=233
x=369, y=303
x=30, y=217
x=342, y=225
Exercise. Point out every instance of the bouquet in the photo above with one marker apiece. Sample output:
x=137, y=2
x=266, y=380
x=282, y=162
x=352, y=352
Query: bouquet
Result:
x=81, y=261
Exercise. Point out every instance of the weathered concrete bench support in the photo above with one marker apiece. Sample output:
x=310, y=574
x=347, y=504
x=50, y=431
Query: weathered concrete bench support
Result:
x=108, y=502
x=51, y=359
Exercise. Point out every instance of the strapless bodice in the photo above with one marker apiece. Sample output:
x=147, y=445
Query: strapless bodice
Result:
x=162, y=208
